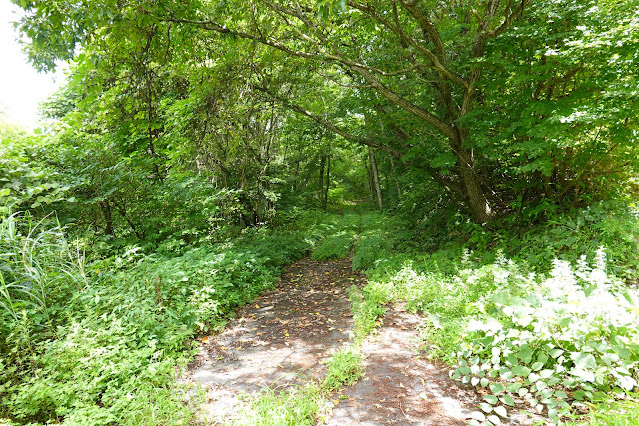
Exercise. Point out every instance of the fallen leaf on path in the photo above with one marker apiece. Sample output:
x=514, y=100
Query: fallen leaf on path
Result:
x=423, y=396
x=205, y=339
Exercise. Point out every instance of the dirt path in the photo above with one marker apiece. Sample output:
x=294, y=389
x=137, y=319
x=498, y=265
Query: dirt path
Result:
x=280, y=339
x=400, y=387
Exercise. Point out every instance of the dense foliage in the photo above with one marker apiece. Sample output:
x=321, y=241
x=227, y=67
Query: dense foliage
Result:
x=198, y=147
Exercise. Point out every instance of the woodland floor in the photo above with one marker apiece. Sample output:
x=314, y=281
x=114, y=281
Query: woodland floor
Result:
x=283, y=337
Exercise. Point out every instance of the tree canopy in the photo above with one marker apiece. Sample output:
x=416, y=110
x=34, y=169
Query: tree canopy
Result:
x=505, y=106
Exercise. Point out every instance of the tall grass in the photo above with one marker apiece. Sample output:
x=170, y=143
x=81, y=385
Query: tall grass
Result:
x=37, y=269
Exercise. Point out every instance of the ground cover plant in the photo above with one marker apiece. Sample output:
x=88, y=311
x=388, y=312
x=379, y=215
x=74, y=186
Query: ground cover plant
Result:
x=101, y=345
x=552, y=342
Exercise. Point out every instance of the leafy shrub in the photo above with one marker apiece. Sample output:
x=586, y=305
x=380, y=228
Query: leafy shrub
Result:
x=370, y=249
x=335, y=247
x=573, y=339
x=124, y=329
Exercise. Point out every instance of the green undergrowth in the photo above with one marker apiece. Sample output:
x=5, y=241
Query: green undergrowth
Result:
x=365, y=313
x=334, y=247
x=553, y=332
x=612, y=413
x=102, y=343
x=297, y=405
x=549, y=343
x=551, y=339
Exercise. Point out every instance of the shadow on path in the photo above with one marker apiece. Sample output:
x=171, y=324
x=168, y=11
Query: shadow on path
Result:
x=280, y=338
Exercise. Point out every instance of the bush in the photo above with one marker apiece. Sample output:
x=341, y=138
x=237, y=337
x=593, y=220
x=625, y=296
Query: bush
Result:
x=370, y=249
x=335, y=247
x=574, y=338
x=119, y=335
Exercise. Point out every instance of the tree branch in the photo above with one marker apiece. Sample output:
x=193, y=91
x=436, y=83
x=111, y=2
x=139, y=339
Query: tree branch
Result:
x=328, y=125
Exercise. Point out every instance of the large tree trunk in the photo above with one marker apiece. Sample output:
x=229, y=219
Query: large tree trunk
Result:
x=478, y=203
x=375, y=175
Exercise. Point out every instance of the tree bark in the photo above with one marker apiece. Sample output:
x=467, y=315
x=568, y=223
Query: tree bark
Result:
x=321, y=182
x=479, y=205
x=397, y=185
x=108, y=219
x=375, y=178
x=328, y=172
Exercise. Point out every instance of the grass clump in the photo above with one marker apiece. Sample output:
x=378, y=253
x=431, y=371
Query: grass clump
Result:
x=299, y=405
x=365, y=313
x=612, y=413
x=344, y=369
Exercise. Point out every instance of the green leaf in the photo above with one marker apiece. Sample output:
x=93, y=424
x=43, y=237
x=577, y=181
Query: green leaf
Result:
x=491, y=399
x=583, y=360
x=521, y=371
x=501, y=410
x=525, y=354
x=513, y=387
x=546, y=373
x=508, y=400
x=496, y=388
x=487, y=408
x=494, y=420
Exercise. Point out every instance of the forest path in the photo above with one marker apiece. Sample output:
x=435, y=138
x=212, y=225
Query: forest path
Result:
x=282, y=338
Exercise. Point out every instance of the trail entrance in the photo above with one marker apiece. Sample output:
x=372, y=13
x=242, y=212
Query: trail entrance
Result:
x=282, y=338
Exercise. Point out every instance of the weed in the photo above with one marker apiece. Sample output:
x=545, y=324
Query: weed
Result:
x=611, y=412
x=334, y=247
x=299, y=405
x=344, y=368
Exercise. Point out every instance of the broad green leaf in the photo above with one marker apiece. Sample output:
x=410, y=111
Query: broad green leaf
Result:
x=496, y=388
x=583, y=360
x=501, y=410
x=507, y=399
x=525, y=354
x=491, y=399
x=487, y=408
